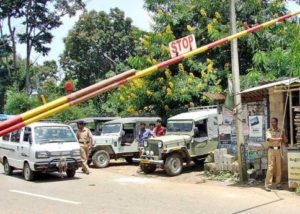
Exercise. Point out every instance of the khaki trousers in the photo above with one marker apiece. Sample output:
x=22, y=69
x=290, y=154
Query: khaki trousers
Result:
x=274, y=163
x=84, y=153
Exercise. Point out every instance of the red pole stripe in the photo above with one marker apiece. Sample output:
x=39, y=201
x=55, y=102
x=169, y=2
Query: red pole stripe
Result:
x=99, y=85
x=217, y=43
x=10, y=122
x=280, y=19
x=98, y=92
x=170, y=61
x=255, y=28
x=12, y=128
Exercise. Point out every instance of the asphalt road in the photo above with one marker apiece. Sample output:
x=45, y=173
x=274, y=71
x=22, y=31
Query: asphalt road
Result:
x=105, y=191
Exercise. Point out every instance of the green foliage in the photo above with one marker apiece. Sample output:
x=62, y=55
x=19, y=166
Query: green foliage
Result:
x=297, y=191
x=181, y=86
x=77, y=112
x=19, y=102
x=97, y=43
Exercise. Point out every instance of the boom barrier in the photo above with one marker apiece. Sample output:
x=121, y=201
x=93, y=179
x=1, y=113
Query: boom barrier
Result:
x=82, y=95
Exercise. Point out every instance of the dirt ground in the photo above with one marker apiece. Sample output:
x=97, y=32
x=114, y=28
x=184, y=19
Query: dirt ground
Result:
x=191, y=174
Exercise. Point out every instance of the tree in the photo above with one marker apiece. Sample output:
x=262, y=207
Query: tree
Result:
x=97, y=44
x=38, y=17
x=183, y=85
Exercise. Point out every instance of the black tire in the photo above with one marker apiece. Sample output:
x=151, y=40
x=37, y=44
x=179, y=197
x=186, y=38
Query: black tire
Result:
x=71, y=173
x=101, y=159
x=8, y=170
x=173, y=165
x=147, y=169
x=129, y=160
x=28, y=174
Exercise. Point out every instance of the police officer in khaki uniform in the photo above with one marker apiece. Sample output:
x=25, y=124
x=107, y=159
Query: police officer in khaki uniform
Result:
x=275, y=138
x=84, y=137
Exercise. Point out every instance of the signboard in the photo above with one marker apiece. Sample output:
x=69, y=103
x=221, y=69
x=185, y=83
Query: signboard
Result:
x=255, y=126
x=182, y=45
x=294, y=167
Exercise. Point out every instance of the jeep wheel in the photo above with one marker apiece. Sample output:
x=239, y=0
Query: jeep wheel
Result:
x=129, y=160
x=174, y=165
x=147, y=169
x=70, y=173
x=7, y=168
x=28, y=173
x=101, y=159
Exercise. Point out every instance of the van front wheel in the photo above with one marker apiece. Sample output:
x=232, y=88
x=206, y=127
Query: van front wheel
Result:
x=7, y=168
x=28, y=173
x=71, y=173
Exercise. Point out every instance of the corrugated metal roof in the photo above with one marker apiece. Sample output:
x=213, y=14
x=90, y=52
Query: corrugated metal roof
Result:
x=92, y=119
x=195, y=115
x=134, y=120
x=269, y=85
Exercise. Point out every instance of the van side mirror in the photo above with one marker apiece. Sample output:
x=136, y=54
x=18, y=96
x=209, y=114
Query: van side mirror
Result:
x=196, y=131
x=30, y=139
x=122, y=133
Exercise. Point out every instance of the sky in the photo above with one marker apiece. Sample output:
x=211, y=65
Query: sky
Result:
x=132, y=8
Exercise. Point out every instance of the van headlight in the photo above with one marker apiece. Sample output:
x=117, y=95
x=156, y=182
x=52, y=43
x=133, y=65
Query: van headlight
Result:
x=42, y=154
x=160, y=144
x=145, y=143
x=75, y=152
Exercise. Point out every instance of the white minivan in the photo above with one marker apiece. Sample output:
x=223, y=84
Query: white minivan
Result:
x=41, y=147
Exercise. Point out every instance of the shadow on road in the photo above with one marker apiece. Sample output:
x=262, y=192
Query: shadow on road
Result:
x=186, y=170
x=43, y=178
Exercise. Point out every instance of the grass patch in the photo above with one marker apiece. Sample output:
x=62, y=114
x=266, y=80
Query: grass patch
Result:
x=297, y=191
x=221, y=176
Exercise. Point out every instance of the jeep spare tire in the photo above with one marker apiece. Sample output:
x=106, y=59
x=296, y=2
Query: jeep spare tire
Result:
x=101, y=159
x=147, y=169
x=173, y=165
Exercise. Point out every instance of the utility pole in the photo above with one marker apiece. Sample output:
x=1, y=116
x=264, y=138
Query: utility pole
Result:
x=237, y=96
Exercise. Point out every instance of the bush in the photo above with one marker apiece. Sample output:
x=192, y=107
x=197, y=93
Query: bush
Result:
x=18, y=102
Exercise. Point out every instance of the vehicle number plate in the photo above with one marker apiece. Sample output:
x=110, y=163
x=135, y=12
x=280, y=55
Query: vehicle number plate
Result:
x=145, y=161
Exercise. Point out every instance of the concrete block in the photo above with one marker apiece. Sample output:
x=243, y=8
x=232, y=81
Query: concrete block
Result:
x=228, y=159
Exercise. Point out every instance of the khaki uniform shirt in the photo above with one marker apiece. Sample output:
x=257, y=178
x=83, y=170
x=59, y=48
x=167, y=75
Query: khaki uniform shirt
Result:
x=275, y=133
x=84, y=136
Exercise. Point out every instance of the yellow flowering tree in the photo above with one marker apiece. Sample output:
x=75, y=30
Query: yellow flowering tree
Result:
x=180, y=86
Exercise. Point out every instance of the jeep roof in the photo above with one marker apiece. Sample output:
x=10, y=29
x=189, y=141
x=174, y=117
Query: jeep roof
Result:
x=195, y=115
x=133, y=120
x=39, y=124
x=92, y=119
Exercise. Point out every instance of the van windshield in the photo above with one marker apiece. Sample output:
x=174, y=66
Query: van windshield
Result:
x=111, y=128
x=47, y=134
x=179, y=126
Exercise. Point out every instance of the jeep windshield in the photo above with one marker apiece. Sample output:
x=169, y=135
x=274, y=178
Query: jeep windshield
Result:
x=53, y=134
x=179, y=126
x=111, y=128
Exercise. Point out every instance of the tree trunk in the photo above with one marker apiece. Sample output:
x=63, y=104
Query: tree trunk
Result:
x=28, y=47
x=12, y=32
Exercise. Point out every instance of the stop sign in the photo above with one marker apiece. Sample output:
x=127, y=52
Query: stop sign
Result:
x=182, y=45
